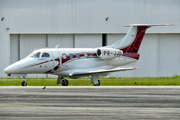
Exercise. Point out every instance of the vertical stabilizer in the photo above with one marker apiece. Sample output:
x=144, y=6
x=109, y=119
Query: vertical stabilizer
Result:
x=134, y=46
x=132, y=40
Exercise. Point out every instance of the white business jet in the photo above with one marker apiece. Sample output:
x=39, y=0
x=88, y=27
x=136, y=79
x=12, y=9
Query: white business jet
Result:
x=83, y=62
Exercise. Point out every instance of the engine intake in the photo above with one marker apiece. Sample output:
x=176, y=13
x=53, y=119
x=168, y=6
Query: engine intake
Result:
x=109, y=53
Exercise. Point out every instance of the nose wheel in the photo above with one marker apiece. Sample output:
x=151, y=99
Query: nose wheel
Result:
x=24, y=83
x=65, y=82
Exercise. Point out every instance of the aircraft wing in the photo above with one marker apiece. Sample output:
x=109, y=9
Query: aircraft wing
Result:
x=100, y=71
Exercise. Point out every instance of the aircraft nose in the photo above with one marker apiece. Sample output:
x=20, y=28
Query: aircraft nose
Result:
x=8, y=70
x=12, y=69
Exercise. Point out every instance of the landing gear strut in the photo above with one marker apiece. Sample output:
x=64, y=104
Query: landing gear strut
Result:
x=63, y=81
x=95, y=81
x=24, y=83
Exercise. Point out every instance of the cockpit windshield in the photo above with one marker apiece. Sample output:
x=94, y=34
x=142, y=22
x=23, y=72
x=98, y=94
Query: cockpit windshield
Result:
x=45, y=54
x=35, y=55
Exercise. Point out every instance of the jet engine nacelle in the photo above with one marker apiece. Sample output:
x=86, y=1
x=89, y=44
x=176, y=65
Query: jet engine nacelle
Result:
x=109, y=53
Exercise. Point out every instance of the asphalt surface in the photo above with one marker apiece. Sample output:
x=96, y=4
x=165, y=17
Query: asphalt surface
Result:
x=19, y=103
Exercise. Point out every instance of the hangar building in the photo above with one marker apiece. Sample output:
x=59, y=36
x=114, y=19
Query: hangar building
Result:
x=26, y=25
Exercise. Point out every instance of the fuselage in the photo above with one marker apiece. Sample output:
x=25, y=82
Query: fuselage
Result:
x=64, y=61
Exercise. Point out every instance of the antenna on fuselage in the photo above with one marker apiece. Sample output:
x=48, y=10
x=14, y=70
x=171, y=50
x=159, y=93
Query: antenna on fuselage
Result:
x=57, y=46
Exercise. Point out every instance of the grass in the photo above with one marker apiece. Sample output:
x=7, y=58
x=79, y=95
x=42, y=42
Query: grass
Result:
x=105, y=81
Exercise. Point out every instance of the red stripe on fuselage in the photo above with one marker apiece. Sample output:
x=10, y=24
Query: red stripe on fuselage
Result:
x=37, y=64
x=131, y=55
x=57, y=67
x=65, y=60
x=134, y=47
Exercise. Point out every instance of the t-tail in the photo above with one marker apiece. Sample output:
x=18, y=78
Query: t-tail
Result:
x=132, y=40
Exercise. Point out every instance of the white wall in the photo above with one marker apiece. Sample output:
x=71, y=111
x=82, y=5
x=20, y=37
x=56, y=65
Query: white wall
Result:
x=79, y=16
x=80, y=23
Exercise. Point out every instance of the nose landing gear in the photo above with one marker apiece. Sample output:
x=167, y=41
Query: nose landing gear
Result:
x=63, y=81
x=24, y=83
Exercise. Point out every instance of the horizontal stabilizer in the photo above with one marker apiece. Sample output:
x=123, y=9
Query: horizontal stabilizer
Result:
x=148, y=25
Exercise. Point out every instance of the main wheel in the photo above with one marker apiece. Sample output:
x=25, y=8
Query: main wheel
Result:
x=98, y=84
x=65, y=82
x=24, y=83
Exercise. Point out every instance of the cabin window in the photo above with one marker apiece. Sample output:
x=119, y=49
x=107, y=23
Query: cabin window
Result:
x=35, y=55
x=64, y=56
x=77, y=55
x=45, y=55
x=85, y=55
x=71, y=56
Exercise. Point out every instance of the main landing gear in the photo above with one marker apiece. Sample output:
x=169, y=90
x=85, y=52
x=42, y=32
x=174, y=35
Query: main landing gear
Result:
x=98, y=84
x=24, y=83
x=63, y=81
x=95, y=81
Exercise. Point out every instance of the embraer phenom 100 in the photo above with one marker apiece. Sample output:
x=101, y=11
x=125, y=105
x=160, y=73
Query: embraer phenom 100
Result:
x=83, y=62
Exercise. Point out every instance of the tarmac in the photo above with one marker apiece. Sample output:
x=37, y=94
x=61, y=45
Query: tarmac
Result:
x=90, y=102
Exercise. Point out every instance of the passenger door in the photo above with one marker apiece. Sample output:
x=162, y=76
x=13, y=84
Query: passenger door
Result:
x=56, y=60
x=46, y=62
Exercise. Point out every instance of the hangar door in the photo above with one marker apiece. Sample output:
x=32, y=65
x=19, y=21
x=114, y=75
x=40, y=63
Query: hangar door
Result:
x=14, y=50
x=88, y=41
x=112, y=38
x=64, y=41
x=29, y=43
